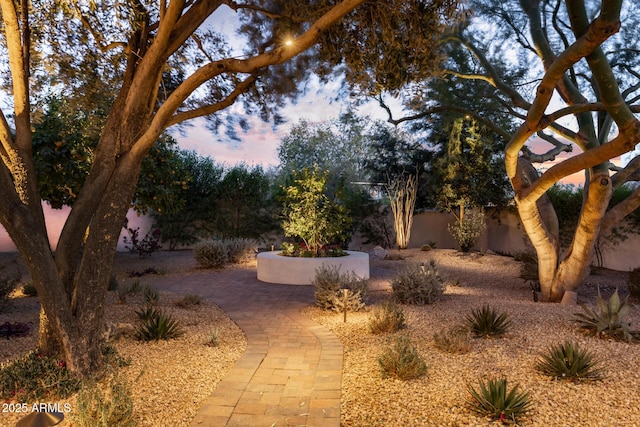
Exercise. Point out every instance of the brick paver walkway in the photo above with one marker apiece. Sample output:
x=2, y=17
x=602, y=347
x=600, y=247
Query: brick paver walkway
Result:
x=291, y=372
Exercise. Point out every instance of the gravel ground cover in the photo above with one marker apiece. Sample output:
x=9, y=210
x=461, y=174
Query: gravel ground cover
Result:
x=171, y=379
x=438, y=398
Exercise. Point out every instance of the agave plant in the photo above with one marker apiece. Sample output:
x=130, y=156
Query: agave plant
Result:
x=494, y=400
x=158, y=326
x=569, y=362
x=487, y=322
x=610, y=321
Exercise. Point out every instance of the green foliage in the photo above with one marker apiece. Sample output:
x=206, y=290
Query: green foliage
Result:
x=495, y=400
x=328, y=284
x=467, y=229
x=214, y=338
x=418, y=284
x=402, y=361
x=387, y=317
x=35, y=377
x=96, y=407
x=487, y=322
x=633, y=282
x=155, y=324
x=125, y=291
x=151, y=295
x=610, y=319
x=244, y=206
x=568, y=361
x=189, y=301
x=309, y=213
x=456, y=340
x=211, y=254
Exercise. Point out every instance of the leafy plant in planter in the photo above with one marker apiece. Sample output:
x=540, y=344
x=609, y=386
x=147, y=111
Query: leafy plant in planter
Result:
x=311, y=215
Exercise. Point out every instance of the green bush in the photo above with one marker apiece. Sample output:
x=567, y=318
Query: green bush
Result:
x=494, y=400
x=456, y=340
x=387, y=317
x=328, y=284
x=157, y=325
x=633, y=282
x=569, y=362
x=402, y=361
x=35, y=377
x=151, y=295
x=418, y=284
x=211, y=254
x=98, y=408
x=610, y=321
x=487, y=322
x=467, y=231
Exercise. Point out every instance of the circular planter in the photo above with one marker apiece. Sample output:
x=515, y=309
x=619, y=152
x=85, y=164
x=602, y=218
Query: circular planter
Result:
x=275, y=268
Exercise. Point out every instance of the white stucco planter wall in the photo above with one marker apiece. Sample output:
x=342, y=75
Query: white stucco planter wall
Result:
x=275, y=268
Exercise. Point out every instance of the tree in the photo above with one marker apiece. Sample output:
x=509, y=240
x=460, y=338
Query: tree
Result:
x=194, y=200
x=166, y=65
x=244, y=206
x=581, y=55
x=402, y=190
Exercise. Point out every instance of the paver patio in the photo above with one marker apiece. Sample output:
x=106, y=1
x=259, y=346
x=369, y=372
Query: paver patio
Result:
x=291, y=371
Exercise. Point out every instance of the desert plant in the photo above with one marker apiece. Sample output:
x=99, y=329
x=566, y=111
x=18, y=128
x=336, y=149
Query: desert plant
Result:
x=157, y=325
x=126, y=291
x=151, y=295
x=418, y=284
x=402, y=361
x=147, y=313
x=468, y=228
x=189, y=300
x=112, y=357
x=569, y=362
x=143, y=247
x=15, y=329
x=328, y=284
x=493, y=399
x=212, y=254
x=610, y=322
x=487, y=322
x=35, y=377
x=98, y=408
x=214, y=338
x=456, y=340
x=633, y=282
x=240, y=250
x=387, y=317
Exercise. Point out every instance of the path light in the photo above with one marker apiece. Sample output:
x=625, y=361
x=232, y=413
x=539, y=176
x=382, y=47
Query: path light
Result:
x=41, y=419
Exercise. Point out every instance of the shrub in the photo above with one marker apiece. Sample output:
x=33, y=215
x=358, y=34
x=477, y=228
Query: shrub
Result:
x=143, y=247
x=610, y=322
x=129, y=290
x=388, y=317
x=633, y=282
x=418, y=284
x=151, y=295
x=402, y=361
x=35, y=377
x=112, y=358
x=487, y=322
x=214, y=338
x=456, y=340
x=569, y=362
x=467, y=230
x=211, y=254
x=157, y=325
x=493, y=400
x=240, y=250
x=189, y=300
x=328, y=284
x=98, y=408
